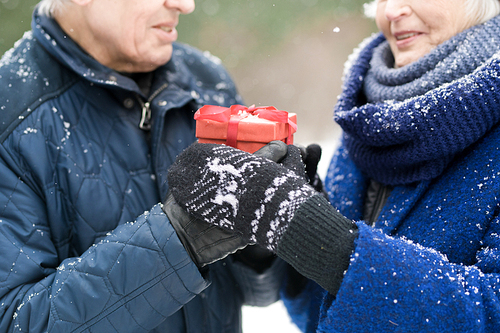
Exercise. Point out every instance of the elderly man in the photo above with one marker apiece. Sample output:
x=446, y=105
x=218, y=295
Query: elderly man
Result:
x=97, y=101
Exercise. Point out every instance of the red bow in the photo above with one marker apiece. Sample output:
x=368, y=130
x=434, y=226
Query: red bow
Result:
x=236, y=113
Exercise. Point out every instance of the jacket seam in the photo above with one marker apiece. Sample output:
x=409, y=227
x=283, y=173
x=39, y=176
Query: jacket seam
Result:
x=32, y=107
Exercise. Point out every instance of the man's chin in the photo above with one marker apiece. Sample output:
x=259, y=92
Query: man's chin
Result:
x=160, y=58
x=149, y=64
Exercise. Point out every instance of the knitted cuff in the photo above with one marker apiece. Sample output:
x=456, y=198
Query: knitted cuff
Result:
x=319, y=242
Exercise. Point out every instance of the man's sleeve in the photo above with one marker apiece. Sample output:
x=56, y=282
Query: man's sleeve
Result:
x=131, y=280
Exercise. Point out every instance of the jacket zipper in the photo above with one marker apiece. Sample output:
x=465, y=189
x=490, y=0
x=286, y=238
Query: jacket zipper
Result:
x=145, y=123
x=380, y=200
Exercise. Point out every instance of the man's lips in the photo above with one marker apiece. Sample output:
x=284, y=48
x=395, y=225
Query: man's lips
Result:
x=168, y=25
x=166, y=29
x=167, y=32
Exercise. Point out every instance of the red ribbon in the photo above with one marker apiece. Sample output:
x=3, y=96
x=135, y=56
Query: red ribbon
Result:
x=236, y=113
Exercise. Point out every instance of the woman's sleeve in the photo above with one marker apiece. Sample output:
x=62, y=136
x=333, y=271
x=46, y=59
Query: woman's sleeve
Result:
x=393, y=284
x=130, y=281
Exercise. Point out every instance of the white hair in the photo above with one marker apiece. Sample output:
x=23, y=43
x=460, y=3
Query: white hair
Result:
x=479, y=11
x=49, y=7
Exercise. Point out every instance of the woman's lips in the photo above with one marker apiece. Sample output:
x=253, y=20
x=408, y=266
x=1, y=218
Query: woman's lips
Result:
x=406, y=35
x=404, y=38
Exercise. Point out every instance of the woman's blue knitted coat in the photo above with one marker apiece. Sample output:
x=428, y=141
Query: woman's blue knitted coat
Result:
x=431, y=263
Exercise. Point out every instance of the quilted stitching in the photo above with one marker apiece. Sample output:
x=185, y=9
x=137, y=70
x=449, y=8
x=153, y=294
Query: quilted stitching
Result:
x=74, y=166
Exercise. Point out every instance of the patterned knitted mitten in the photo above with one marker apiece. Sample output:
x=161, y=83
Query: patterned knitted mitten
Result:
x=238, y=191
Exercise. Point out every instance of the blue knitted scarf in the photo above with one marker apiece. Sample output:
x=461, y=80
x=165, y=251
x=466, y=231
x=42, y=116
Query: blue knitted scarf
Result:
x=405, y=125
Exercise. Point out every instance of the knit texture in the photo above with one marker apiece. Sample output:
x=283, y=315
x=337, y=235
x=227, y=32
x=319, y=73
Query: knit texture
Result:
x=421, y=115
x=238, y=191
x=431, y=263
x=319, y=243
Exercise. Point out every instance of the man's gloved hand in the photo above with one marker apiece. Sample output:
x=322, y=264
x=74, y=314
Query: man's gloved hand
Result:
x=207, y=243
x=239, y=191
x=204, y=242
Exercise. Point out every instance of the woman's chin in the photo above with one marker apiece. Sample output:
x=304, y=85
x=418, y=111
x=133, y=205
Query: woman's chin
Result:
x=402, y=61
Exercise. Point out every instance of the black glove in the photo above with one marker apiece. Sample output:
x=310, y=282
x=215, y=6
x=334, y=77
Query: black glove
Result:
x=207, y=243
x=258, y=199
x=239, y=191
x=311, y=156
x=254, y=255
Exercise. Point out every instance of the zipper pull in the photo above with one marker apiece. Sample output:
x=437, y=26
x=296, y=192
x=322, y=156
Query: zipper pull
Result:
x=145, y=123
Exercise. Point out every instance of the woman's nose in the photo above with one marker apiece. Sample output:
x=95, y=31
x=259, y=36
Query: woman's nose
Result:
x=397, y=9
x=183, y=6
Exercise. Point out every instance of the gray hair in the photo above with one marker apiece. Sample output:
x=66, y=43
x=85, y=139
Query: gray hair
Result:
x=479, y=11
x=49, y=7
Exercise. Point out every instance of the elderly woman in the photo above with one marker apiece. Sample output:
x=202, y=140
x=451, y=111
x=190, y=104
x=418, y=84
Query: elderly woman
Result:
x=415, y=243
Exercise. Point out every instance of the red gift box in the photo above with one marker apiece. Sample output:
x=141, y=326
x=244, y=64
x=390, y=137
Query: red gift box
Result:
x=244, y=128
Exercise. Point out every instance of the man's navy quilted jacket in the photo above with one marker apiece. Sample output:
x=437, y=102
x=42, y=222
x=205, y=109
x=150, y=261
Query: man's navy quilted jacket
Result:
x=84, y=244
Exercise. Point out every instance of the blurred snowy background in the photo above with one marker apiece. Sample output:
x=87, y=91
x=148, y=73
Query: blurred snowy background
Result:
x=285, y=53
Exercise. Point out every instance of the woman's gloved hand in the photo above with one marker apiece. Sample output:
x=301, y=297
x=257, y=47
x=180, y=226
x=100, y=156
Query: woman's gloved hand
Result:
x=311, y=156
x=240, y=192
x=207, y=243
